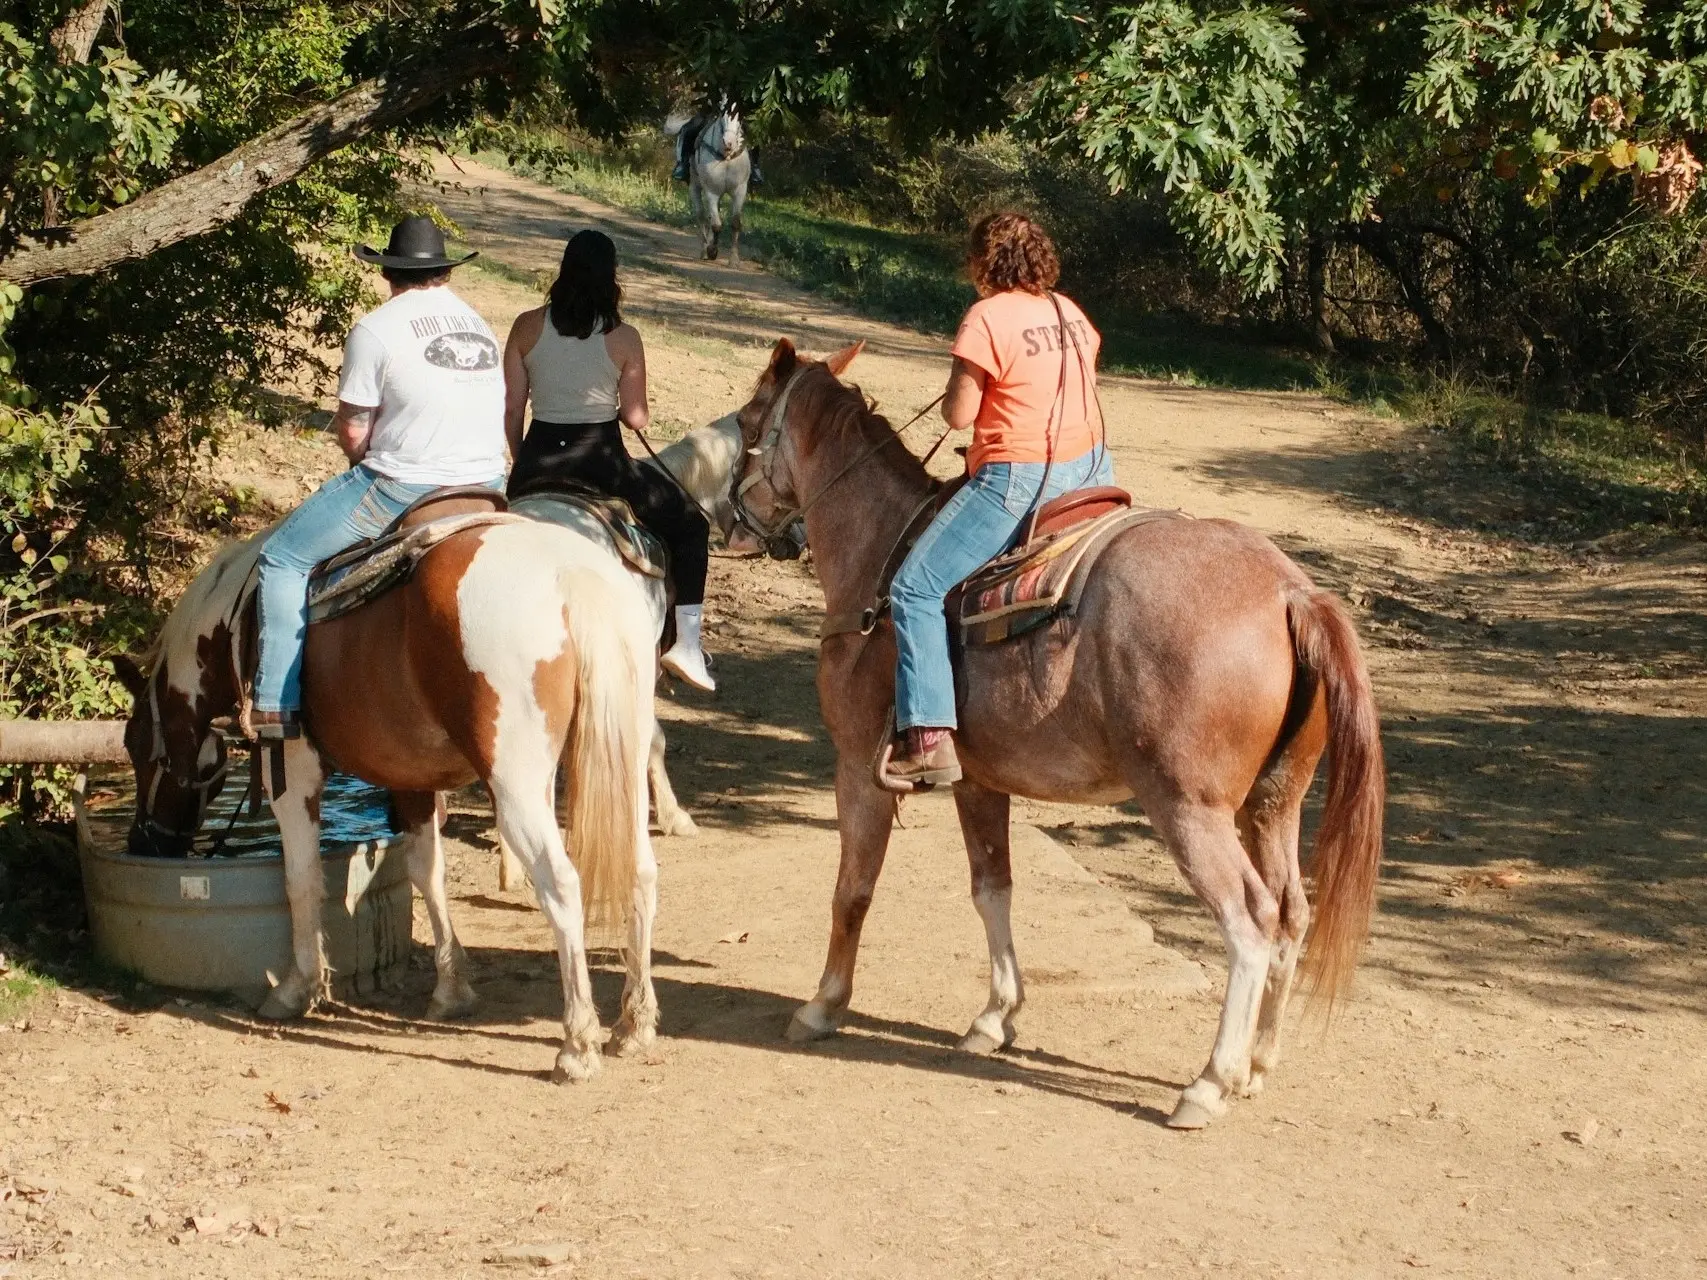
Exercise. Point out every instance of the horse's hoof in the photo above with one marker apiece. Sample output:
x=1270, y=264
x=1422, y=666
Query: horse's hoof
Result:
x=805, y=1027
x=980, y=1041
x=282, y=1008
x=576, y=1067
x=458, y=1004
x=1190, y=1115
x=1254, y=1085
x=679, y=827
x=627, y=1040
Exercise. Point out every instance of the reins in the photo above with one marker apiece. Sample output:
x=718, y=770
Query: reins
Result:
x=675, y=479
x=766, y=449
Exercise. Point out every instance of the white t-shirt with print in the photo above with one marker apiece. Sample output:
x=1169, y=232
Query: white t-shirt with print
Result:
x=434, y=371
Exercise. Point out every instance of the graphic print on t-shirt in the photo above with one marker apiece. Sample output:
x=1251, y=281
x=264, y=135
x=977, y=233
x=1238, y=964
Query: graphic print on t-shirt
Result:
x=473, y=351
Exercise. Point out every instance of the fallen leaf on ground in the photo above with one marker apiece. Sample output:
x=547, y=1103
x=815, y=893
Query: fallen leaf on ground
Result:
x=741, y=936
x=251, y=1074
x=277, y=1103
x=1584, y=1133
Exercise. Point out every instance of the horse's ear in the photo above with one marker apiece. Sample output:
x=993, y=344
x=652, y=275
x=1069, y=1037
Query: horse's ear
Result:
x=129, y=674
x=843, y=358
x=783, y=359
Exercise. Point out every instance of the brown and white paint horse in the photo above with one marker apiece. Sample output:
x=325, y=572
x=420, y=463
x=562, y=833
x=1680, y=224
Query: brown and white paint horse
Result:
x=515, y=646
x=1203, y=675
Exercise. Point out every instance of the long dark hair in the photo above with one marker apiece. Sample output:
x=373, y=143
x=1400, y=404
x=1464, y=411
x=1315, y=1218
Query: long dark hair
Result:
x=585, y=297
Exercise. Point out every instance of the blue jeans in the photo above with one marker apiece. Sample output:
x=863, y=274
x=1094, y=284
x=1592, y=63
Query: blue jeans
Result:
x=349, y=507
x=978, y=524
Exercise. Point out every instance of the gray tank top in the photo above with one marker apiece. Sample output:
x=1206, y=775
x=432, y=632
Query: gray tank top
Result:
x=571, y=380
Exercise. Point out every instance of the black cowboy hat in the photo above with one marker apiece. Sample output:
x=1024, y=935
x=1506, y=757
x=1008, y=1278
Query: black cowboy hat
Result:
x=417, y=244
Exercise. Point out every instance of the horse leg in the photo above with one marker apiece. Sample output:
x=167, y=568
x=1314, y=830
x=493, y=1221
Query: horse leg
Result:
x=1269, y=828
x=527, y=822
x=1205, y=843
x=419, y=813
x=298, y=814
x=711, y=221
x=737, y=200
x=865, y=816
x=637, y=1028
x=984, y=824
x=673, y=820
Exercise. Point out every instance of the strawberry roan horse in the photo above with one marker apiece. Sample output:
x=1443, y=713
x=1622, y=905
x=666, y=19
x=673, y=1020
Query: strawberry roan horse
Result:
x=1204, y=674
x=513, y=647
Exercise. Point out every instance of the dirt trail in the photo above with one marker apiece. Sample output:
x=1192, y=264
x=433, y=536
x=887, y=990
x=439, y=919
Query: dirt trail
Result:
x=1509, y=1093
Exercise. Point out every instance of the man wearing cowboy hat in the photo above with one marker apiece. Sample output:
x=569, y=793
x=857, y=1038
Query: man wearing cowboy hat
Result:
x=420, y=406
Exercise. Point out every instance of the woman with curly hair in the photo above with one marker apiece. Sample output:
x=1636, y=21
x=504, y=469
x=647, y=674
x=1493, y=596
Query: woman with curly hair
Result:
x=1024, y=380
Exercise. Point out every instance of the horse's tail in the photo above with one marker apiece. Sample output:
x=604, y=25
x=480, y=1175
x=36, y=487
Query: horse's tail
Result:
x=609, y=738
x=1348, y=843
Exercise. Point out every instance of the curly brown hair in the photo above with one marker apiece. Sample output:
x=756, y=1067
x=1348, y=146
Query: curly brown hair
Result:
x=1010, y=251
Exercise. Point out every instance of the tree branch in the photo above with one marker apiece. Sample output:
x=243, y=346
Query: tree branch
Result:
x=216, y=193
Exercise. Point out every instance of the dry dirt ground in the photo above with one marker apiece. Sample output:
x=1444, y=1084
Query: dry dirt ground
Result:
x=1513, y=1090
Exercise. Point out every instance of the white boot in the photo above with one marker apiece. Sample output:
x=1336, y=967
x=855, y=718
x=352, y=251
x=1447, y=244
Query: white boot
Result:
x=686, y=660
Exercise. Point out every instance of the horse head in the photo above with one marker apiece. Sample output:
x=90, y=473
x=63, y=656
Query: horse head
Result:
x=179, y=758
x=764, y=489
x=731, y=138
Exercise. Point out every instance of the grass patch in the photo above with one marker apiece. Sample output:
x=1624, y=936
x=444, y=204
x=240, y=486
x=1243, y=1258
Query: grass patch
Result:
x=535, y=282
x=21, y=988
x=1560, y=475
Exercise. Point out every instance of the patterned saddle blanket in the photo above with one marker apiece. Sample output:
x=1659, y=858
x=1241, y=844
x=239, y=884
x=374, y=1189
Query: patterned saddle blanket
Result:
x=1035, y=584
x=595, y=515
x=352, y=578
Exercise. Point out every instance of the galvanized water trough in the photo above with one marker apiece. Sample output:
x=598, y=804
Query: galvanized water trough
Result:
x=217, y=924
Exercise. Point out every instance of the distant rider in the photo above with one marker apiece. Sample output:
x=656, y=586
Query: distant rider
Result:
x=420, y=406
x=687, y=138
x=1024, y=380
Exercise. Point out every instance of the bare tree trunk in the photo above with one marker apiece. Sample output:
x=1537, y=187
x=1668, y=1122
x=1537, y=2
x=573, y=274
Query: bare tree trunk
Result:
x=75, y=37
x=216, y=193
x=1316, y=275
x=1379, y=240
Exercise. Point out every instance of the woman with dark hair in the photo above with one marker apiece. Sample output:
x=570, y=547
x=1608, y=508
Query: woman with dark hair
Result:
x=1024, y=380
x=585, y=371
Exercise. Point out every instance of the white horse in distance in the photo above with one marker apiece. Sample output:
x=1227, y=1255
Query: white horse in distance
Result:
x=719, y=166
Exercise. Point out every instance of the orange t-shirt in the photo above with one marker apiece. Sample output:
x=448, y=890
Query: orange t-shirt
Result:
x=1015, y=339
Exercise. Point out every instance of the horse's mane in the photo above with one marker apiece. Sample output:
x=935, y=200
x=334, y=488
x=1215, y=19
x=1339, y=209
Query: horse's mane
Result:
x=833, y=412
x=210, y=596
x=702, y=459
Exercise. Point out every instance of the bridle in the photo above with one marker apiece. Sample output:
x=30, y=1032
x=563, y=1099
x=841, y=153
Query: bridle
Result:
x=717, y=152
x=771, y=532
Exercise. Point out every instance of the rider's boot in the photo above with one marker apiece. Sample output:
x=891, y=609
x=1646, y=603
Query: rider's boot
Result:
x=680, y=172
x=270, y=726
x=755, y=178
x=929, y=758
x=686, y=659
